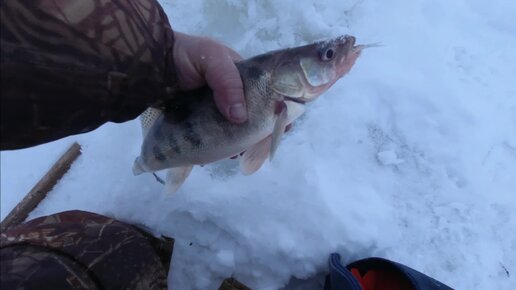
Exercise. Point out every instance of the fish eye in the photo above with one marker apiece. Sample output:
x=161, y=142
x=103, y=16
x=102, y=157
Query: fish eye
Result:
x=328, y=54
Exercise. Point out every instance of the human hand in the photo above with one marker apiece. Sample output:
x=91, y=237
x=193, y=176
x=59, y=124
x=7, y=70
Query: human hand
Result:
x=200, y=61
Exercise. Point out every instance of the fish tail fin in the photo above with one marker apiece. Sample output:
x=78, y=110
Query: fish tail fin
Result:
x=138, y=167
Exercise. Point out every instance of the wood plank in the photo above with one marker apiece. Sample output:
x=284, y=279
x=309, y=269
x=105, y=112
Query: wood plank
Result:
x=22, y=210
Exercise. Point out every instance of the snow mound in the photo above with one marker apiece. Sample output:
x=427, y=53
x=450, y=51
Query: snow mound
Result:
x=412, y=156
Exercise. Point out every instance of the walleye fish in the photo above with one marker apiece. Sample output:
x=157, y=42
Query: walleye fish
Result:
x=192, y=131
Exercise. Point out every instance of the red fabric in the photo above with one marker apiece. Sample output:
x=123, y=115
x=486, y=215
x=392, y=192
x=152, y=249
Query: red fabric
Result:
x=381, y=280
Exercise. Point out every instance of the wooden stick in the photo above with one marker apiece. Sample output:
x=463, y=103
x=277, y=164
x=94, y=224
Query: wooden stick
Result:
x=40, y=190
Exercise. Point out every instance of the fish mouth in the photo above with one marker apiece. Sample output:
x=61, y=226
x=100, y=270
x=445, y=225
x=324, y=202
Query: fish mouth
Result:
x=350, y=42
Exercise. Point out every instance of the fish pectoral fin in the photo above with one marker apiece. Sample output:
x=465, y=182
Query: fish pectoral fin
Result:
x=255, y=156
x=295, y=110
x=279, y=128
x=176, y=177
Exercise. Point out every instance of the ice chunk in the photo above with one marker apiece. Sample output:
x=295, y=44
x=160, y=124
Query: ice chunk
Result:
x=389, y=157
x=226, y=258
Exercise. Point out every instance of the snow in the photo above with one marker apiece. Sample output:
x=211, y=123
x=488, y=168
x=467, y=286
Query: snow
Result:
x=389, y=157
x=412, y=156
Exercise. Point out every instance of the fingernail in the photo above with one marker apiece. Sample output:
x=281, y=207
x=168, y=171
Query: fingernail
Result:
x=237, y=112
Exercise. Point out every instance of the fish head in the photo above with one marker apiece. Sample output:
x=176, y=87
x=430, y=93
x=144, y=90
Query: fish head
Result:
x=304, y=73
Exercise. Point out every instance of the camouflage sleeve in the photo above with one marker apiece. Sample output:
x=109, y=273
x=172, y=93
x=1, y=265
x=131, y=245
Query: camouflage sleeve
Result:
x=69, y=66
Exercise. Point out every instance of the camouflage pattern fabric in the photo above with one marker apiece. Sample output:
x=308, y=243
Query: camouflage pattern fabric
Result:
x=69, y=66
x=78, y=250
x=232, y=284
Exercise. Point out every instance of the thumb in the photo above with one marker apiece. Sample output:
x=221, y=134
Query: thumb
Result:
x=203, y=61
x=223, y=78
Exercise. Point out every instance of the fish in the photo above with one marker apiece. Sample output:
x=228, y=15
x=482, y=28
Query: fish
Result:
x=191, y=131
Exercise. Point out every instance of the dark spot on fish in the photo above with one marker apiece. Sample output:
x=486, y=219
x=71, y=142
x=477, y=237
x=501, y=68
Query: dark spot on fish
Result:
x=172, y=142
x=177, y=113
x=261, y=58
x=191, y=136
x=227, y=130
x=158, y=133
x=254, y=72
x=158, y=154
x=196, y=143
x=179, y=108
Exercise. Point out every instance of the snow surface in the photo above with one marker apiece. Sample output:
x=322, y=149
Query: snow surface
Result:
x=412, y=156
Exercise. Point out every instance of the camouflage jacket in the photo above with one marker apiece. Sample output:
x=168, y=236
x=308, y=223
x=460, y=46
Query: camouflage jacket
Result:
x=68, y=67
x=80, y=250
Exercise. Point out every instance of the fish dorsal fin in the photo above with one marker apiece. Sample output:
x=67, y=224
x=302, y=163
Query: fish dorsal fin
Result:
x=255, y=156
x=147, y=119
x=176, y=176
